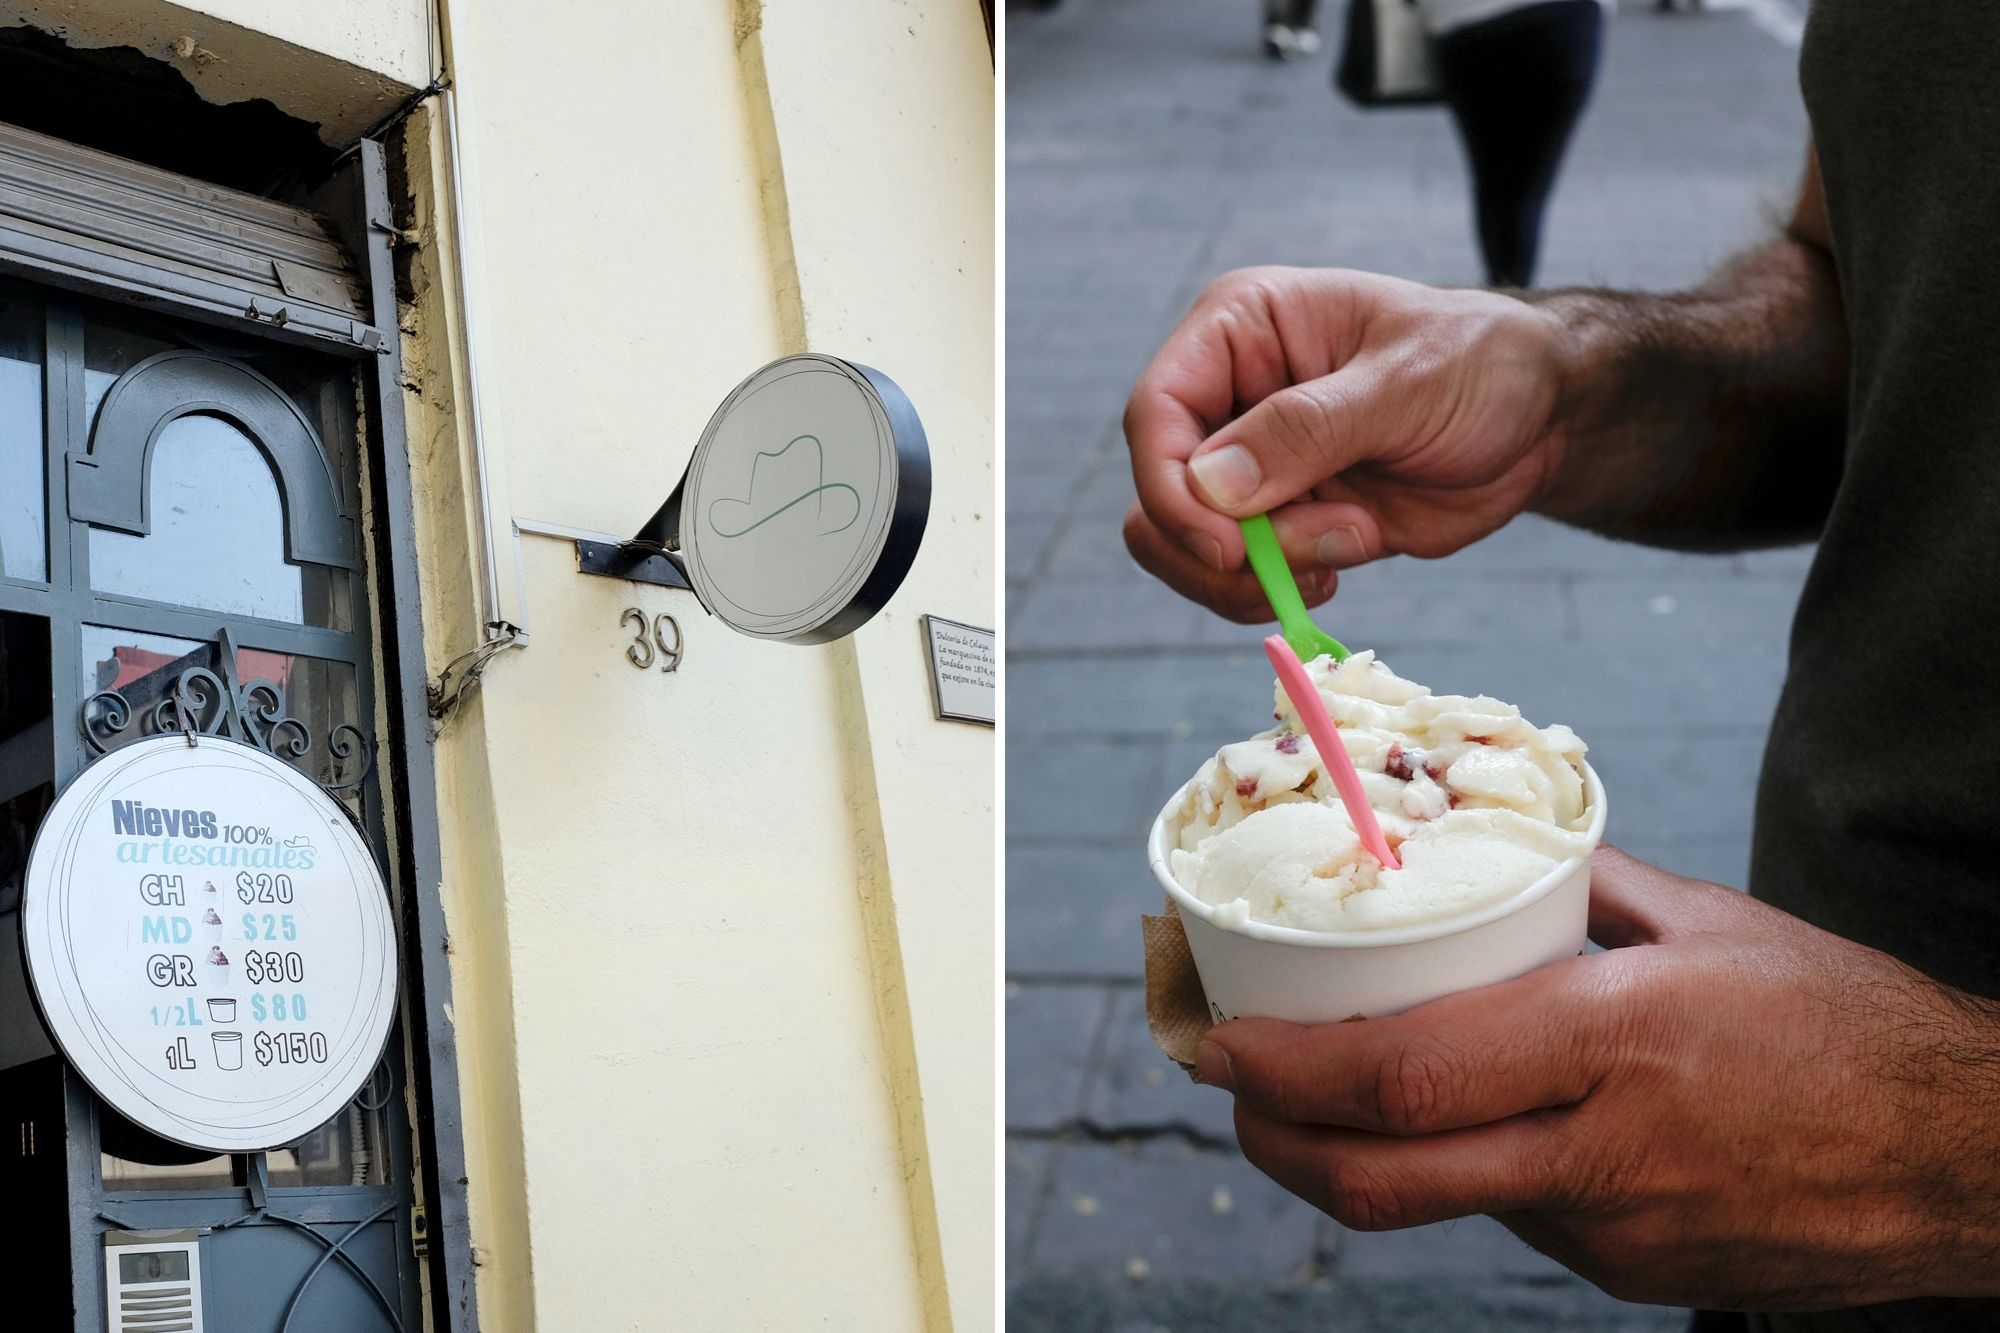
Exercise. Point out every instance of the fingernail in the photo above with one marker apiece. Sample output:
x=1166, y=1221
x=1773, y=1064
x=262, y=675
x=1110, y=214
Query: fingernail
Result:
x=1227, y=476
x=1211, y=1065
x=1206, y=549
x=1342, y=547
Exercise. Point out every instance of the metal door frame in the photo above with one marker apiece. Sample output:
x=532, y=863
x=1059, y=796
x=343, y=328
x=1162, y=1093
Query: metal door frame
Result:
x=357, y=206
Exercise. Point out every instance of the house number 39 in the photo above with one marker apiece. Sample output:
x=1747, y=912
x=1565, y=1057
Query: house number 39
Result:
x=657, y=640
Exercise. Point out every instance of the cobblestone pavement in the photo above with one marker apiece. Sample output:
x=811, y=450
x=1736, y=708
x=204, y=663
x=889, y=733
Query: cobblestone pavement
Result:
x=1149, y=148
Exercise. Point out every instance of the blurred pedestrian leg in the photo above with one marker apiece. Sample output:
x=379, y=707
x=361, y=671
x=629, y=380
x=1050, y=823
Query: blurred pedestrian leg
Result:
x=1517, y=82
x=1289, y=30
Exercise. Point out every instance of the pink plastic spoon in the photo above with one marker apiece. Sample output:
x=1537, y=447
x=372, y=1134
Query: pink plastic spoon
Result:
x=1332, y=752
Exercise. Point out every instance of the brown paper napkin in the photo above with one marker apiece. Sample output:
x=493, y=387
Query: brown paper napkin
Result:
x=1177, y=1011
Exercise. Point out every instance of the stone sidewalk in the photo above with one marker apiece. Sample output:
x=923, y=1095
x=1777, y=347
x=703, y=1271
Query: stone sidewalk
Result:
x=1150, y=148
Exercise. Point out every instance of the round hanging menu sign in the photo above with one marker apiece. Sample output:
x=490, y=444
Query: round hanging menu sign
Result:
x=806, y=499
x=209, y=940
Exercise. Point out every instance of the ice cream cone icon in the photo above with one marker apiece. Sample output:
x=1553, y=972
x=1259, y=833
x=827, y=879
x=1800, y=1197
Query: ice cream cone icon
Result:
x=211, y=926
x=217, y=966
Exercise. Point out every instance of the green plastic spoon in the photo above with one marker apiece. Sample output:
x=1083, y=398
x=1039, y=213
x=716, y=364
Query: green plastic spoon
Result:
x=1268, y=560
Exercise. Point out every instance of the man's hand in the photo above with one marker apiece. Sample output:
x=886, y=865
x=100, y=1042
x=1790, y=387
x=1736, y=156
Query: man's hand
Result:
x=1729, y=1108
x=1372, y=416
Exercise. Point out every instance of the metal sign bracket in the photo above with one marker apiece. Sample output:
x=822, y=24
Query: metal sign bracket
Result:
x=651, y=555
x=626, y=560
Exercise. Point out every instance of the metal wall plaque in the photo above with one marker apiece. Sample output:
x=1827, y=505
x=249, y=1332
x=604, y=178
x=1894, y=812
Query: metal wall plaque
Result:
x=803, y=505
x=964, y=670
x=209, y=941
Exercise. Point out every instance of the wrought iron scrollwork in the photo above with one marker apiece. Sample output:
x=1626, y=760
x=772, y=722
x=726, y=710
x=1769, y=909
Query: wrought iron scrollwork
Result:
x=345, y=753
x=204, y=702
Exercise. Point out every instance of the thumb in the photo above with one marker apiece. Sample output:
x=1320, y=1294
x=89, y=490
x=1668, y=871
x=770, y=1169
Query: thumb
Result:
x=1290, y=442
x=1635, y=902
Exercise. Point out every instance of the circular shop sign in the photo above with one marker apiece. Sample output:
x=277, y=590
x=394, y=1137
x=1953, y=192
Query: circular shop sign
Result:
x=209, y=941
x=805, y=500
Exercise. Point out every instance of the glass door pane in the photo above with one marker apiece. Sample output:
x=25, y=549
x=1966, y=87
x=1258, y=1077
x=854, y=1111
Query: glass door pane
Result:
x=27, y=789
x=130, y=1158
x=34, y=1178
x=351, y=1149
x=218, y=539
x=322, y=732
x=108, y=353
x=24, y=524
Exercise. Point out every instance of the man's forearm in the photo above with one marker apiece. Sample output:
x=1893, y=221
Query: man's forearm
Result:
x=1709, y=419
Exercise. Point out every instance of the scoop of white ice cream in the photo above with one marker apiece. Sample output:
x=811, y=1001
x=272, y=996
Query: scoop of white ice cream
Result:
x=1293, y=864
x=1477, y=802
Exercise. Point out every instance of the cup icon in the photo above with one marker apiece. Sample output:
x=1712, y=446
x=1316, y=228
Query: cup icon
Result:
x=221, y=1010
x=228, y=1048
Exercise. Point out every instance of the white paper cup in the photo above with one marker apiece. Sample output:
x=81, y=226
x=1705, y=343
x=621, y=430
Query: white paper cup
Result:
x=221, y=1010
x=1311, y=976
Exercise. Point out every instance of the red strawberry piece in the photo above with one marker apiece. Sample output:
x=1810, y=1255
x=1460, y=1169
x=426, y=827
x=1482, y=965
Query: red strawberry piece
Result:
x=1246, y=787
x=1436, y=773
x=1288, y=743
x=1397, y=765
x=1480, y=740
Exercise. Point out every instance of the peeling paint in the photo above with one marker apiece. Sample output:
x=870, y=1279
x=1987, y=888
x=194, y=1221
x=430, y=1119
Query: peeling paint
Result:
x=749, y=19
x=343, y=87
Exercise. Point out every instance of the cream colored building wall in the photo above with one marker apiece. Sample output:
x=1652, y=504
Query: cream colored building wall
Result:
x=387, y=37
x=884, y=123
x=748, y=906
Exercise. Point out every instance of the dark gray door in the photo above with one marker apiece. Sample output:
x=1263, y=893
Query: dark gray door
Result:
x=180, y=517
